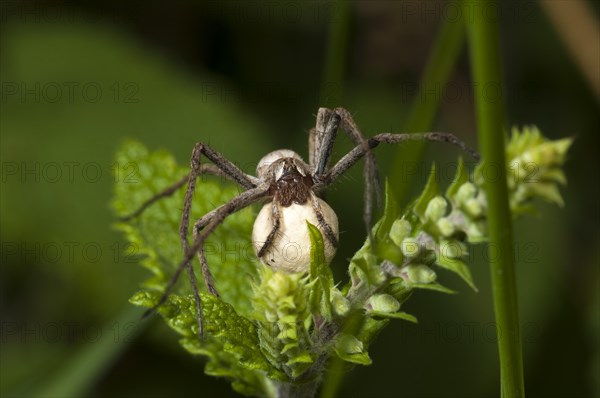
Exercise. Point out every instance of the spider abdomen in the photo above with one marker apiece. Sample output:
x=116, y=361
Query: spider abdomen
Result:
x=290, y=248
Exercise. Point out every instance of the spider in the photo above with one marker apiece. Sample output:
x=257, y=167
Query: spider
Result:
x=292, y=190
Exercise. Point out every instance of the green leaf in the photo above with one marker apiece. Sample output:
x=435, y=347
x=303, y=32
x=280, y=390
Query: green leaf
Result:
x=369, y=329
x=458, y=267
x=231, y=342
x=431, y=191
x=390, y=213
x=394, y=315
x=555, y=175
x=302, y=358
x=351, y=349
x=548, y=192
x=320, y=275
x=461, y=177
x=238, y=334
x=388, y=250
x=433, y=286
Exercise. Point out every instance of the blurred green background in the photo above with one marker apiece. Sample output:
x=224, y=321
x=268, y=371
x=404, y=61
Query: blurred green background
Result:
x=247, y=77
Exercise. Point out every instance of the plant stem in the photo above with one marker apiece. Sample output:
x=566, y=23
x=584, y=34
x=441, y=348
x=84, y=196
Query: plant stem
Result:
x=440, y=65
x=485, y=63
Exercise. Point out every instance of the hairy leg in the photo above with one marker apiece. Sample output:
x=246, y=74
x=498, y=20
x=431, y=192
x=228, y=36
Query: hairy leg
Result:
x=217, y=216
x=329, y=234
x=241, y=201
x=359, y=151
x=328, y=123
x=205, y=168
x=321, y=143
x=371, y=171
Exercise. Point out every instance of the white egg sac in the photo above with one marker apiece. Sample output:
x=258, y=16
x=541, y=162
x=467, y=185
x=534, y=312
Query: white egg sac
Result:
x=290, y=250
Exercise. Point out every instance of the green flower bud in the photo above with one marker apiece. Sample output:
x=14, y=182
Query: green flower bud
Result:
x=339, y=303
x=410, y=247
x=421, y=274
x=446, y=226
x=477, y=231
x=547, y=154
x=281, y=307
x=378, y=276
x=534, y=164
x=383, y=303
x=436, y=208
x=474, y=207
x=466, y=192
x=452, y=249
x=280, y=283
x=400, y=230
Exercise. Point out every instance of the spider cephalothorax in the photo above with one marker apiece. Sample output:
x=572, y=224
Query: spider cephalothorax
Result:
x=280, y=237
x=289, y=186
x=289, y=177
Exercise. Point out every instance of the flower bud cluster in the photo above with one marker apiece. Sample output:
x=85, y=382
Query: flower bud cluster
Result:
x=281, y=306
x=534, y=166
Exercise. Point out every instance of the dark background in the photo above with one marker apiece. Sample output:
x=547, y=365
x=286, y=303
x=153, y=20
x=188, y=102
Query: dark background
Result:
x=246, y=77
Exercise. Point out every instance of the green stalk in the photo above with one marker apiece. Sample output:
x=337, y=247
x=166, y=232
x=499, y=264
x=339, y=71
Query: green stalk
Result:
x=440, y=65
x=485, y=63
x=337, y=52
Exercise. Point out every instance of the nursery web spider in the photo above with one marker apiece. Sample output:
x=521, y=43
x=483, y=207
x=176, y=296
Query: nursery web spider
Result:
x=291, y=189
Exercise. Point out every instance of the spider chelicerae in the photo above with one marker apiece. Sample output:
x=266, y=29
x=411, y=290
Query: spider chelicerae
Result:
x=291, y=190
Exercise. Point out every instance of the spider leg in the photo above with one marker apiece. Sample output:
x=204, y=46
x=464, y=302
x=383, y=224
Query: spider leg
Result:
x=320, y=144
x=326, y=133
x=171, y=189
x=359, y=151
x=371, y=171
x=241, y=201
x=315, y=138
x=224, y=165
x=235, y=204
x=329, y=234
x=313, y=144
x=276, y=217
